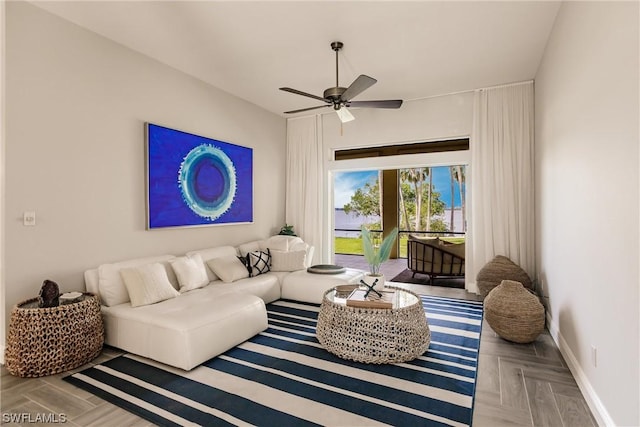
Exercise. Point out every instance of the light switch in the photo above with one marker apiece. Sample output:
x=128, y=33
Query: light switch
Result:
x=29, y=218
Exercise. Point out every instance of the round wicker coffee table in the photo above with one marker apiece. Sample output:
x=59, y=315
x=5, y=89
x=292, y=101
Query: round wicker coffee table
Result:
x=46, y=341
x=374, y=335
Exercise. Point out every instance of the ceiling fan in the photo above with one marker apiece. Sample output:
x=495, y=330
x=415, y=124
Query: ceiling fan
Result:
x=340, y=97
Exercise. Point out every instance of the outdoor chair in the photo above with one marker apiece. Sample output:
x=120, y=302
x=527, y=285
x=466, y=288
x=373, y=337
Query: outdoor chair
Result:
x=435, y=257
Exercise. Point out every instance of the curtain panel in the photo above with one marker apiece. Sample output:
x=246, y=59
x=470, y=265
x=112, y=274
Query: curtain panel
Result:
x=304, y=183
x=502, y=180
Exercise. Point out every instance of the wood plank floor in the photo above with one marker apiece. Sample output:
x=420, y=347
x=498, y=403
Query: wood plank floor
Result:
x=518, y=385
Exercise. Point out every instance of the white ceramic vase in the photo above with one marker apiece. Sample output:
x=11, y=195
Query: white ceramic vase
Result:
x=369, y=279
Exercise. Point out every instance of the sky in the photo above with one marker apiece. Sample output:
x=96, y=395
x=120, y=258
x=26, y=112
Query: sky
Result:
x=346, y=183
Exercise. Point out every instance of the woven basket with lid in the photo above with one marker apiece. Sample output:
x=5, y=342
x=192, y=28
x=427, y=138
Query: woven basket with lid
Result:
x=514, y=313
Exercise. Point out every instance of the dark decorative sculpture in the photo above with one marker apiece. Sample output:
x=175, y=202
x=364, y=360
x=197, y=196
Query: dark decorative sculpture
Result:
x=49, y=294
x=370, y=288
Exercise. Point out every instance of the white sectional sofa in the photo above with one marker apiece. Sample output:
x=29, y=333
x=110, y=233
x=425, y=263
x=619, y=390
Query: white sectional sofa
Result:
x=184, y=310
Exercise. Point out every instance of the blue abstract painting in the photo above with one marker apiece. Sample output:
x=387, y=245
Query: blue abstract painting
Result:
x=196, y=181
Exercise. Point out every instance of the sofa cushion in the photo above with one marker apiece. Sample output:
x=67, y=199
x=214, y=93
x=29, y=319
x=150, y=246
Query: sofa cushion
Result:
x=280, y=242
x=208, y=254
x=276, y=243
x=147, y=284
x=190, y=271
x=302, y=246
x=111, y=286
x=244, y=249
x=457, y=249
x=288, y=261
x=431, y=241
x=228, y=268
x=308, y=287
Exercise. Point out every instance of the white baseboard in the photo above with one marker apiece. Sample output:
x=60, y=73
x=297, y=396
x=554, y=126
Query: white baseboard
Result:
x=472, y=287
x=599, y=411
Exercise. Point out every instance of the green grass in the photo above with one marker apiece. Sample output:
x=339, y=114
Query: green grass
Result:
x=353, y=245
x=453, y=239
x=348, y=245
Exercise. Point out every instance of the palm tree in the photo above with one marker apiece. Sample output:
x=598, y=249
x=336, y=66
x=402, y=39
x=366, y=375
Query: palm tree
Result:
x=416, y=176
x=451, y=176
x=460, y=179
x=380, y=195
x=404, y=176
x=429, y=194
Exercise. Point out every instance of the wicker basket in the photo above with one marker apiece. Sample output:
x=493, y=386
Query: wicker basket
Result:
x=46, y=341
x=499, y=269
x=514, y=313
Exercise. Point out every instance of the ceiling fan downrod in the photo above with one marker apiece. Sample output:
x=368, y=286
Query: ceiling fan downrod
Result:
x=336, y=46
x=335, y=93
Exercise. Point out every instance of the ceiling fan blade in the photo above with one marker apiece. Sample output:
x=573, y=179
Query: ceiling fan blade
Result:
x=299, y=92
x=389, y=103
x=306, y=109
x=345, y=115
x=358, y=86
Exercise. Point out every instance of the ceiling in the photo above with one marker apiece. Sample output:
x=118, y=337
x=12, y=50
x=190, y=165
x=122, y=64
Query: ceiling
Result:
x=414, y=49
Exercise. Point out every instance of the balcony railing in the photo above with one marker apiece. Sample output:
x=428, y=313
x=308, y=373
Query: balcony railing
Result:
x=350, y=242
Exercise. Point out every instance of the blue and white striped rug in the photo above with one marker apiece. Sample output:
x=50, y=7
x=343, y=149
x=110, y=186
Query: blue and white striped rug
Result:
x=283, y=377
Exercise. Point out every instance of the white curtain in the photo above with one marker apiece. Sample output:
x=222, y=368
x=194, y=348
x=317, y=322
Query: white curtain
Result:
x=304, y=181
x=502, y=181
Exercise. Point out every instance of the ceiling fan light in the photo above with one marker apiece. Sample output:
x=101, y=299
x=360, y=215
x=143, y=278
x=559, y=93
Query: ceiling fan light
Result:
x=344, y=115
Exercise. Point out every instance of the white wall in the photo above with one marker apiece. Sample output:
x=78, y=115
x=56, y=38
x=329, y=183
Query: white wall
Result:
x=2, y=162
x=586, y=167
x=436, y=118
x=76, y=103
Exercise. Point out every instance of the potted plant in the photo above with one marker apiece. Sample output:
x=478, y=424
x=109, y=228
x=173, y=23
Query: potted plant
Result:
x=287, y=230
x=376, y=255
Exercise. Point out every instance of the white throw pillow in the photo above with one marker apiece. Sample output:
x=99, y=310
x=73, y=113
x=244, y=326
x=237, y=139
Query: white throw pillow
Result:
x=216, y=252
x=302, y=246
x=191, y=272
x=228, y=268
x=259, y=262
x=111, y=286
x=287, y=261
x=147, y=284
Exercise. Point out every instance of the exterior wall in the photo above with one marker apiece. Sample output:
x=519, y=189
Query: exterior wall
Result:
x=76, y=104
x=587, y=166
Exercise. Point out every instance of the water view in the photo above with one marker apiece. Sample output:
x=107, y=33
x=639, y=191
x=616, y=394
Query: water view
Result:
x=431, y=203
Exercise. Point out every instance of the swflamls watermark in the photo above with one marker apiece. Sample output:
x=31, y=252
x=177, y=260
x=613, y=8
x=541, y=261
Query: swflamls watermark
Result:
x=29, y=417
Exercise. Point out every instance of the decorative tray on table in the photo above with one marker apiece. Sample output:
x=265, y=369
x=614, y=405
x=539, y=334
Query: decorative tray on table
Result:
x=326, y=269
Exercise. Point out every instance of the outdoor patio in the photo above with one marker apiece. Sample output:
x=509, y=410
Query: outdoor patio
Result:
x=392, y=267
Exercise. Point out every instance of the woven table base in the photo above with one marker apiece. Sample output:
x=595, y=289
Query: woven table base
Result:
x=373, y=335
x=46, y=341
